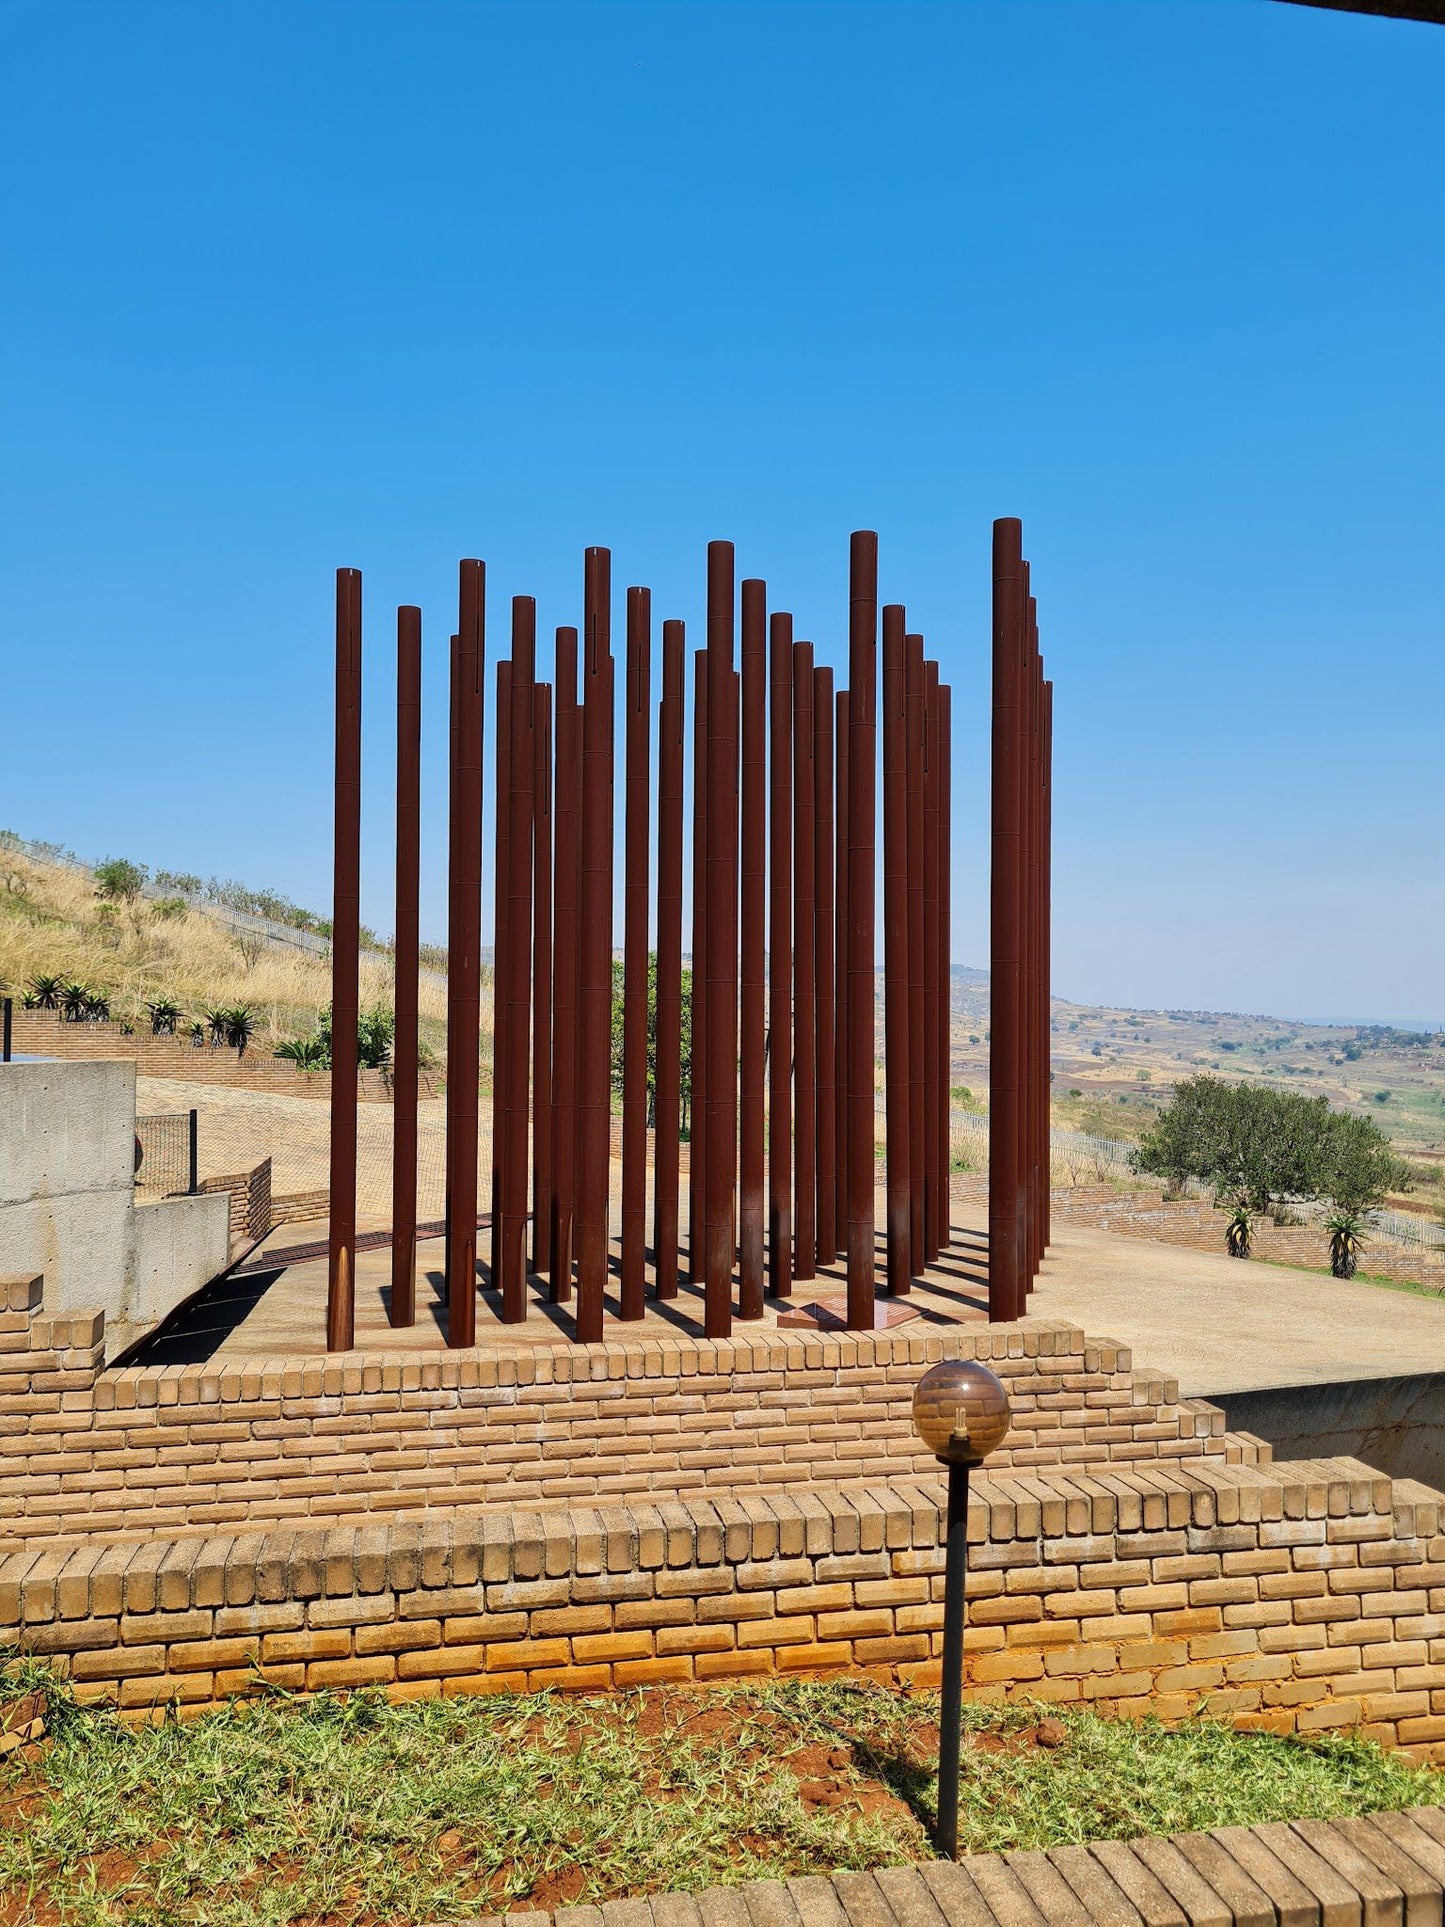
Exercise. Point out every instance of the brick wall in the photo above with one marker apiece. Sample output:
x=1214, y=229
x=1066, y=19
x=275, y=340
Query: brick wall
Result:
x=250, y=1193
x=1299, y=1598
x=299, y=1207
x=161, y=1447
x=40, y=1033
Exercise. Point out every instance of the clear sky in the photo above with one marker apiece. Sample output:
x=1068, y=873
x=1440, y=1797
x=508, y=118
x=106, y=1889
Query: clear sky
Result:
x=295, y=285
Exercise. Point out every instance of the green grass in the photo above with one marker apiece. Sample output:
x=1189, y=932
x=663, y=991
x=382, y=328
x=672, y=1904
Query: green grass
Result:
x=355, y=1811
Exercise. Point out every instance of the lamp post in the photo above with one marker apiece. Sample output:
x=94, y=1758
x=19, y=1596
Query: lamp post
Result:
x=961, y=1412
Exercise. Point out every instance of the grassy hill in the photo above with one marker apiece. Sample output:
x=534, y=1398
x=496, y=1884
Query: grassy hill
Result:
x=56, y=921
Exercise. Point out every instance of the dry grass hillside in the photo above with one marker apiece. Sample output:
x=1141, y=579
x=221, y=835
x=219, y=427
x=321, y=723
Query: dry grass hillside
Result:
x=53, y=921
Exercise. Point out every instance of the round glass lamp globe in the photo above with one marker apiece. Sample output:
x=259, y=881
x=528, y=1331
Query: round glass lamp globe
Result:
x=960, y=1411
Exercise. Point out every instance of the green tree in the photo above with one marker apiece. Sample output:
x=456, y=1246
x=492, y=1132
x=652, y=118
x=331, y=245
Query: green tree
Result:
x=618, y=987
x=1358, y=1166
x=1252, y=1144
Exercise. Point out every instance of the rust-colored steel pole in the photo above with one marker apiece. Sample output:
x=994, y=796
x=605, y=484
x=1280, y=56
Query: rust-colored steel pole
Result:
x=722, y=958
x=345, y=968
x=542, y=922
x=898, y=1065
x=805, y=938
x=752, y=1011
x=860, y=1055
x=840, y=963
x=406, y=947
x=519, y=960
x=1032, y=1054
x=667, y=1134
x=637, y=831
x=501, y=958
x=565, y=939
x=780, y=961
x=934, y=1044
x=697, y=1062
x=594, y=1082
x=945, y=950
x=823, y=967
x=1005, y=1295
x=919, y=1070
x=1046, y=913
x=464, y=957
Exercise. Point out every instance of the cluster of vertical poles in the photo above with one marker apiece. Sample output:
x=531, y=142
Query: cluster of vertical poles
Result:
x=1022, y=804
x=778, y=1035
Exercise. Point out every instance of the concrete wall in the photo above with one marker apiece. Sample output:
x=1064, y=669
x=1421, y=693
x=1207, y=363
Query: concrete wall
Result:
x=1395, y=1424
x=67, y=1201
x=180, y=1245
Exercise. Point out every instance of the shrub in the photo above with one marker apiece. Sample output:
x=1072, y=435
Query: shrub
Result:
x=119, y=878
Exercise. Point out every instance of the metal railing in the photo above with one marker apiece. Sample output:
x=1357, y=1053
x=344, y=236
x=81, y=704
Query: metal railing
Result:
x=167, y=1154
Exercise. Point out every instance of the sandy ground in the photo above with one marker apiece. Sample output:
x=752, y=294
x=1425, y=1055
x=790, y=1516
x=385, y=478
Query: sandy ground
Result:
x=1211, y=1321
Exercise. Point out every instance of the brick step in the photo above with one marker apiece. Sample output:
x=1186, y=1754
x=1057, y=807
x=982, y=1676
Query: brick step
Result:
x=1307, y=1873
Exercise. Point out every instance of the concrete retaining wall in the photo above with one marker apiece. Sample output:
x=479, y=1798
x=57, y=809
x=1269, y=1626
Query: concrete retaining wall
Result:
x=1395, y=1424
x=67, y=1201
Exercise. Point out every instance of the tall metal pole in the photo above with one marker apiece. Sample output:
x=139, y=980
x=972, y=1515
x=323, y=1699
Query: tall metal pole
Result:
x=1004, y=1255
x=722, y=877
x=697, y=1059
x=345, y=969
x=826, y=1058
x=862, y=779
x=594, y=1083
x=919, y=1067
x=667, y=1134
x=567, y=869
x=634, y=954
x=406, y=955
x=752, y=1013
x=501, y=960
x=1034, y=1057
x=519, y=959
x=898, y=1065
x=945, y=945
x=780, y=962
x=542, y=920
x=464, y=956
x=1047, y=939
x=805, y=937
x=840, y=964
x=935, y=1044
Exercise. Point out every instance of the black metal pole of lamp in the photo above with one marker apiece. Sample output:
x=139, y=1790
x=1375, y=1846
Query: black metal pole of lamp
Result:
x=961, y=1413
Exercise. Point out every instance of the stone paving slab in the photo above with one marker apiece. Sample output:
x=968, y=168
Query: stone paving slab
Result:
x=1387, y=1870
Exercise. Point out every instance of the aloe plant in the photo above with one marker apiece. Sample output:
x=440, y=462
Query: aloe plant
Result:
x=239, y=1027
x=74, y=1002
x=1239, y=1232
x=97, y=1007
x=306, y=1053
x=164, y=1016
x=1347, y=1240
x=46, y=992
x=217, y=1019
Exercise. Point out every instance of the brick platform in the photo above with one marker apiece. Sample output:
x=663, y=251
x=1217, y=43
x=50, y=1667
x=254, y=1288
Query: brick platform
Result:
x=600, y=1516
x=165, y=1447
x=1298, y=1598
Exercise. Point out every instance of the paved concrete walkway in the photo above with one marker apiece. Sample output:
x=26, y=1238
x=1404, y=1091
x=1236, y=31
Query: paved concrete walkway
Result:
x=1215, y=1323
x=1220, y=1324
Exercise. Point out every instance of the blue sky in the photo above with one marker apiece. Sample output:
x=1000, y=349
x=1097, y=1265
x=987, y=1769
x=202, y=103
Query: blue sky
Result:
x=289, y=286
